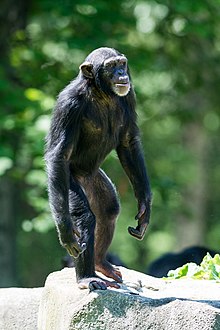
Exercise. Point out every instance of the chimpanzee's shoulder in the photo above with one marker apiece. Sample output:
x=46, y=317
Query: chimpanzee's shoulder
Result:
x=73, y=96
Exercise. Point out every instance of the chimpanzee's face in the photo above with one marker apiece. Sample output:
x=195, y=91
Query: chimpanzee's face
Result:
x=108, y=69
x=115, y=70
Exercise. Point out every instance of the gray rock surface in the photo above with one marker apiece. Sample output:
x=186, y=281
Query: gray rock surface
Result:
x=143, y=302
x=19, y=308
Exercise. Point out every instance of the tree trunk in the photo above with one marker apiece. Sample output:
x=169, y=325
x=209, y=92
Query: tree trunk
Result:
x=13, y=16
x=191, y=223
x=7, y=233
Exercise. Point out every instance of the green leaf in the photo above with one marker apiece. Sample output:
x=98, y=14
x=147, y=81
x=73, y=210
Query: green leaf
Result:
x=209, y=269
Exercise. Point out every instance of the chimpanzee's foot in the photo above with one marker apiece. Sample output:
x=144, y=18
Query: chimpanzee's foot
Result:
x=96, y=283
x=108, y=270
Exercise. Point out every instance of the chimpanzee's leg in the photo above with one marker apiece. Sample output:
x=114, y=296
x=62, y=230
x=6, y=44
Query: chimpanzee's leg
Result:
x=84, y=220
x=104, y=204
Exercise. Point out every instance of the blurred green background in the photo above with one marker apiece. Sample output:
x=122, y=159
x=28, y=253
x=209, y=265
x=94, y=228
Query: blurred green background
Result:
x=173, y=49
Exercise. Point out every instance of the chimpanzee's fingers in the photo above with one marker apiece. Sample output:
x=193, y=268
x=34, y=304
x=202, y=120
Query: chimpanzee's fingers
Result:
x=138, y=232
x=72, y=252
x=141, y=212
x=76, y=232
x=83, y=247
x=135, y=233
x=74, y=249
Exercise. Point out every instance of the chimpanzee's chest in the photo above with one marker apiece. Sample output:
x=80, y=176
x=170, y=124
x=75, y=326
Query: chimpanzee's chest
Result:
x=101, y=129
x=100, y=133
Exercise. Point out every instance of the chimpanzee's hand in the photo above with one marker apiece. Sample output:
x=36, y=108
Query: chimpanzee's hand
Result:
x=143, y=217
x=68, y=238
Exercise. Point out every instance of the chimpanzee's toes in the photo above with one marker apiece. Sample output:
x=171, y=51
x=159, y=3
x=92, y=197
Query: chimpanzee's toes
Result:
x=97, y=285
x=109, y=271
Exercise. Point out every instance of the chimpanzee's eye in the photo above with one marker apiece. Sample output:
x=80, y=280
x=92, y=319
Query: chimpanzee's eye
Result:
x=123, y=63
x=111, y=65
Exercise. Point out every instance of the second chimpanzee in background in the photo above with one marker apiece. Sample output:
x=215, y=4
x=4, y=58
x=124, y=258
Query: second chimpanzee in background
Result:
x=93, y=115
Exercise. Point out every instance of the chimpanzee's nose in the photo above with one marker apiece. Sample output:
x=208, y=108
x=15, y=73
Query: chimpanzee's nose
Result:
x=124, y=79
x=120, y=72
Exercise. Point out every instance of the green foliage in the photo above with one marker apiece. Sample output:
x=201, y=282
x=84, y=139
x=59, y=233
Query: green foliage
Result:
x=174, y=55
x=209, y=269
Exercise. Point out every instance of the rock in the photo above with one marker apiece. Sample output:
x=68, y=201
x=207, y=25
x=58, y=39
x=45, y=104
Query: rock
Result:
x=19, y=308
x=142, y=302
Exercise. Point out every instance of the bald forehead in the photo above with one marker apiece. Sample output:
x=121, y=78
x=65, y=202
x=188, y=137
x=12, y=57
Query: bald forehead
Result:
x=102, y=53
x=116, y=59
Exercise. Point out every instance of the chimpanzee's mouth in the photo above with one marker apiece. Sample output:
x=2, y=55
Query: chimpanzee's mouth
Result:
x=122, y=85
x=122, y=89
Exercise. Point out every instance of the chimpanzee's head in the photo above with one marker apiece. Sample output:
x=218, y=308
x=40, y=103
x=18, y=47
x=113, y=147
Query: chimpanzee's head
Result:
x=108, y=69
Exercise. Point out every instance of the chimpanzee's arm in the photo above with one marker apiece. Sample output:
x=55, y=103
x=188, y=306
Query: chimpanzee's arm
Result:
x=131, y=157
x=61, y=141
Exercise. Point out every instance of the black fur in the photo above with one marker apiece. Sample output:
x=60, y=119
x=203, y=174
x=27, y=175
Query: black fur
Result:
x=89, y=120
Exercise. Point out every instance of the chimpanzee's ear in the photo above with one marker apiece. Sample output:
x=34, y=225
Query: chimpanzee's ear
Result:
x=87, y=69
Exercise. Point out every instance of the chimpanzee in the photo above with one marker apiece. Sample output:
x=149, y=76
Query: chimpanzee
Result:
x=93, y=115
